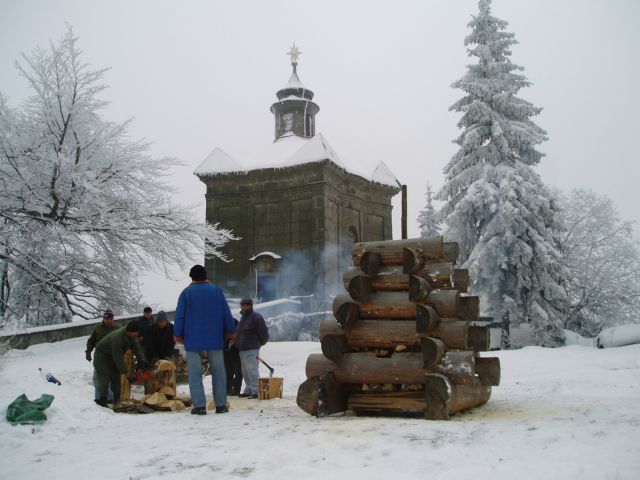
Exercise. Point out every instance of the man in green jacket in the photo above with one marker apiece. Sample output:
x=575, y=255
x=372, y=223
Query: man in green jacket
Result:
x=102, y=330
x=109, y=361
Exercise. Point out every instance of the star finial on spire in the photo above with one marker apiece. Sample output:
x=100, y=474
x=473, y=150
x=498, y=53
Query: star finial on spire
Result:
x=294, y=53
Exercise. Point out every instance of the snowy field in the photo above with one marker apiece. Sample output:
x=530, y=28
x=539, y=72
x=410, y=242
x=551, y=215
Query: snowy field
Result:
x=566, y=413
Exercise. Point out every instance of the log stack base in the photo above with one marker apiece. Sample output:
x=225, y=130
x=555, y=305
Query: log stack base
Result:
x=402, y=341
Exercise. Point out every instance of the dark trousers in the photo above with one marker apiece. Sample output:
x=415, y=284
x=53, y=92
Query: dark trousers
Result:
x=234, y=370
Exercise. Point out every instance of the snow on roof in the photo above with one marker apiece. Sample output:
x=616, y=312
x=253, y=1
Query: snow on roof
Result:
x=285, y=152
x=217, y=161
x=382, y=174
x=275, y=256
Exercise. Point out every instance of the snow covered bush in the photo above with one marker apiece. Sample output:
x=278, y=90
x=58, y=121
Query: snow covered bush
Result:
x=602, y=256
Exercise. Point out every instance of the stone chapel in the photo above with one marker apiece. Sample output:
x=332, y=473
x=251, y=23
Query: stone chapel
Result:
x=296, y=206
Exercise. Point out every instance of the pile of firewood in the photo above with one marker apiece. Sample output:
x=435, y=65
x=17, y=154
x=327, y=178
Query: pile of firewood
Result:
x=161, y=388
x=403, y=339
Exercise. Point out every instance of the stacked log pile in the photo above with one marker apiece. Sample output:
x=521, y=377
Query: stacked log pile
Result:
x=402, y=339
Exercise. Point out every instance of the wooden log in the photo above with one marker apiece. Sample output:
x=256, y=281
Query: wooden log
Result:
x=433, y=349
x=390, y=251
x=318, y=365
x=479, y=338
x=358, y=284
x=380, y=305
x=426, y=318
x=164, y=375
x=333, y=346
x=322, y=395
x=392, y=278
x=453, y=332
x=387, y=401
x=345, y=310
x=469, y=308
x=413, y=259
x=397, y=305
x=400, y=368
x=388, y=278
x=460, y=280
x=445, y=398
x=154, y=399
x=439, y=274
x=125, y=386
x=389, y=334
x=445, y=302
x=488, y=370
x=450, y=251
x=419, y=288
x=370, y=262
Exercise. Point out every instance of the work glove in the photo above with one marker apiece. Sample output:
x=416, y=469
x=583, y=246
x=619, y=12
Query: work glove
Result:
x=87, y=355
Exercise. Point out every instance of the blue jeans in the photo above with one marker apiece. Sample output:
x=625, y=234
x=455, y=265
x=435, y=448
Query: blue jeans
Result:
x=218, y=378
x=249, y=364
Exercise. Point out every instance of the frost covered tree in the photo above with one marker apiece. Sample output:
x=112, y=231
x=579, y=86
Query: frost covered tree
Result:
x=496, y=206
x=602, y=256
x=82, y=208
x=428, y=217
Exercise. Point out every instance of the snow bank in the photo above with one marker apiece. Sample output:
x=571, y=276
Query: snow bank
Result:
x=567, y=413
x=619, y=336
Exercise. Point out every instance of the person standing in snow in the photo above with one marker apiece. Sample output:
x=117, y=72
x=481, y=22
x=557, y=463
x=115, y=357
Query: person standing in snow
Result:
x=203, y=321
x=233, y=366
x=160, y=342
x=109, y=361
x=146, y=322
x=102, y=330
x=252, y=334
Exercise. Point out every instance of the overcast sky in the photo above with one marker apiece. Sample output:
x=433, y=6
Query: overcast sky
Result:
x=196, y=75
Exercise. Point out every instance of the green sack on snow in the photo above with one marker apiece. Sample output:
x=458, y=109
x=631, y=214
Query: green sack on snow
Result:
x=23, y=410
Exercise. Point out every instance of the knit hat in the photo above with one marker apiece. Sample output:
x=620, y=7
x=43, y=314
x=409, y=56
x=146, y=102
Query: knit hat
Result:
x=246, y=301
x=161, y=315
x=147, y=309
x=108, y=313
x=133, y=326
x=198, y=273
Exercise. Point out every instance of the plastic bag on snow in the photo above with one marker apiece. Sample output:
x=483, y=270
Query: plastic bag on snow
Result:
x=23, y=410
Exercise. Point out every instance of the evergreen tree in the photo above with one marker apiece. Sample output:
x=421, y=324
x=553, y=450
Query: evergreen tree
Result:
x=496, y=206
x=428, y=217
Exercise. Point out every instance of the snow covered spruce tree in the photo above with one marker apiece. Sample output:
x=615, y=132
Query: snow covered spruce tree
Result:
x=83, y=209
x=496, y=206
x=428, y=217
x=603, y=259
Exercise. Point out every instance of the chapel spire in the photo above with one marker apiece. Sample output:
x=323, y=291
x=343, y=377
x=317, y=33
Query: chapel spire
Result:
x=294, y=112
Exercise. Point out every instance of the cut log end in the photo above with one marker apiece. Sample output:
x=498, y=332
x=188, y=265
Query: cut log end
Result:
x=371, y=262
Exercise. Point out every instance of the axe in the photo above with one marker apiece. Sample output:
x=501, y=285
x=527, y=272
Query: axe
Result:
x=266, y=365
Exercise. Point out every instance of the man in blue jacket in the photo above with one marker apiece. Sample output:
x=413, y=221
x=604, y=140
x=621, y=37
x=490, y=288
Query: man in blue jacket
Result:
x=203, y=321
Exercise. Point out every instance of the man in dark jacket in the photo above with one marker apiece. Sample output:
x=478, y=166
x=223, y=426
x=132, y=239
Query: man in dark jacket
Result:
x=159, y=343
x=105, y=328
x=233, y=366
x=252, y=333
x=109, y=361
x=146, y=322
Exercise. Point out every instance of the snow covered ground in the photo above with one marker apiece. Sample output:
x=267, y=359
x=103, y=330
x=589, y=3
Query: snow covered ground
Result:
x=566, y=413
